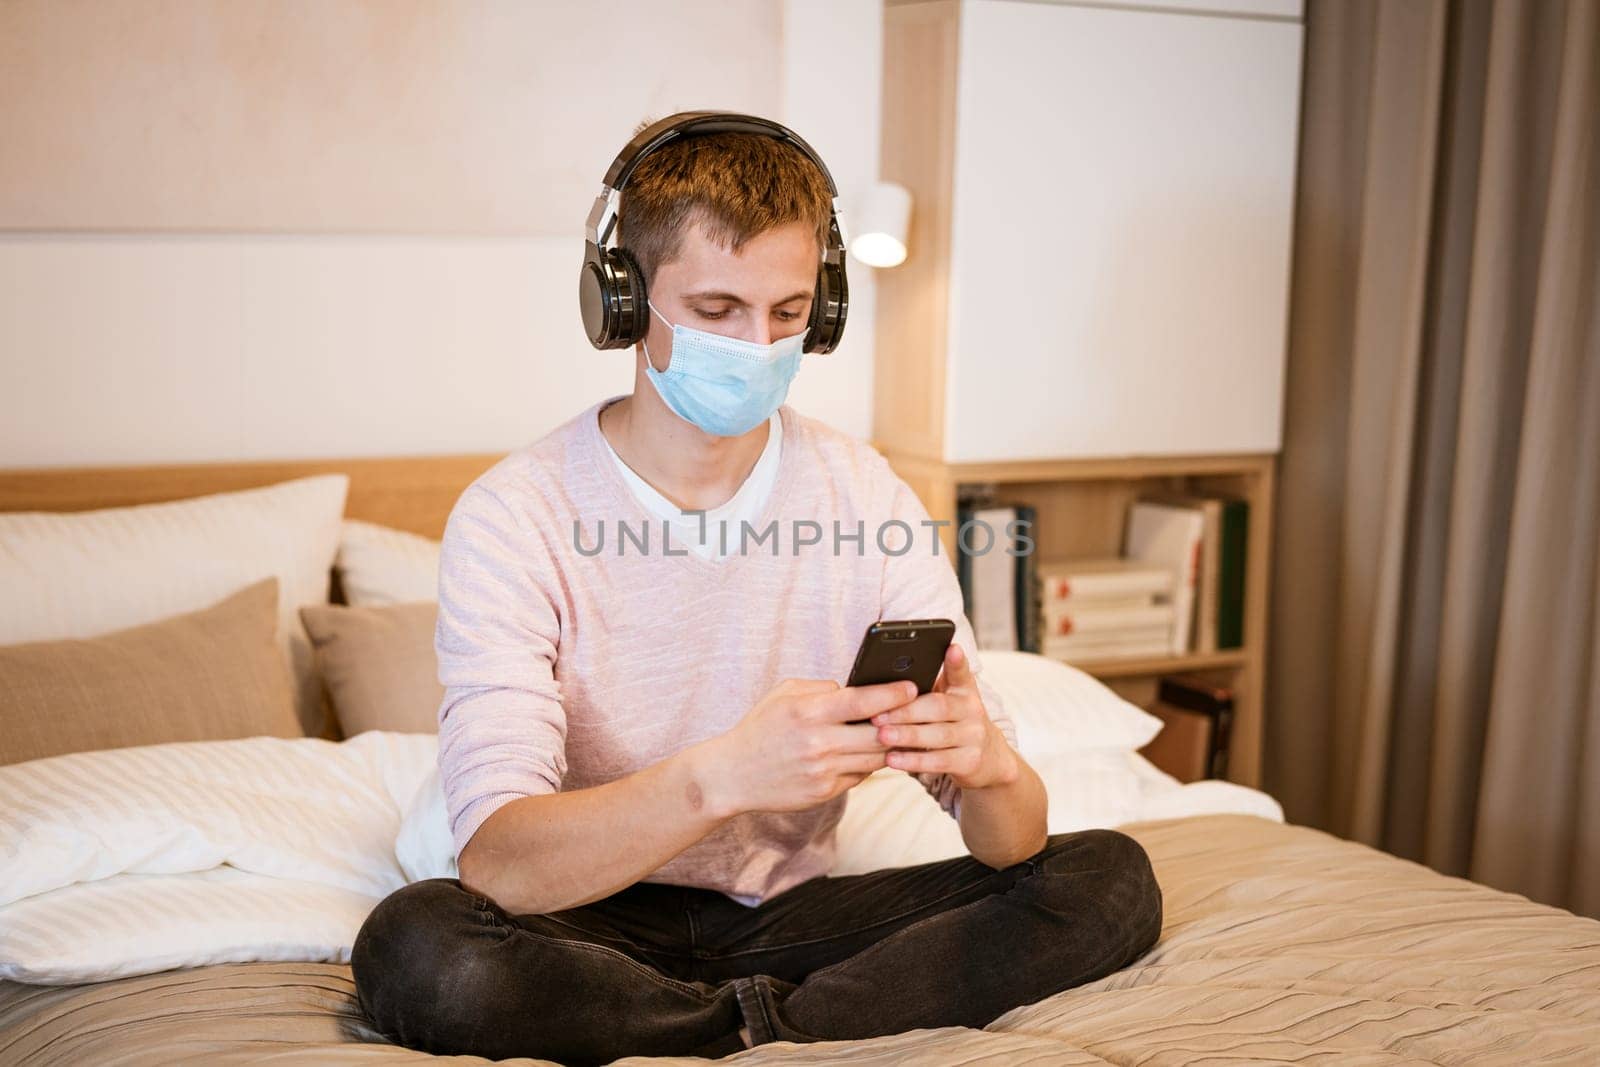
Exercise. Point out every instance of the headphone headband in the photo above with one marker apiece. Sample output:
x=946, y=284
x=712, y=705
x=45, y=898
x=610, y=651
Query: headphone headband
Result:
x=603, y=216
x=694, y=123
x=611, y=287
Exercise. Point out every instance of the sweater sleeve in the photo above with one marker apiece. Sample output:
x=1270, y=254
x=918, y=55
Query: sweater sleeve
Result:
x=920, y=583
x=502, y=728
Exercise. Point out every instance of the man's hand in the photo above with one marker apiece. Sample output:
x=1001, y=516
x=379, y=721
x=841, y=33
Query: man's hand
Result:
x=796, y=749
x=948, y=730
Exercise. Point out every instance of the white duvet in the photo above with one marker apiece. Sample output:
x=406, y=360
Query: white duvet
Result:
x=137, y=860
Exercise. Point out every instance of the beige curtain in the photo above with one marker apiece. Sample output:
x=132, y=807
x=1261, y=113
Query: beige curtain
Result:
x=1433, y=686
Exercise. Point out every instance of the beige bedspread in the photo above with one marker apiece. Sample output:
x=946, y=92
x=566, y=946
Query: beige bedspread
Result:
x=1280, y=944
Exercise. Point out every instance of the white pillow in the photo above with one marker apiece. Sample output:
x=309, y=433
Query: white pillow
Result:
x=382, y=565
x=1058, y=708
x=890, y=821
x=133, y=860
x=302, y=809
x=81, y=574
x=141, y=923
x=425, y=848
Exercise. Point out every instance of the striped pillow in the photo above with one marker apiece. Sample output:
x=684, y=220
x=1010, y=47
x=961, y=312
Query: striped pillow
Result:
x=142, y=923
x=135, y=860
x=303, y=809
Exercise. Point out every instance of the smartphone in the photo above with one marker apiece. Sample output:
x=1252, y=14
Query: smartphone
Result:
x=908, y=648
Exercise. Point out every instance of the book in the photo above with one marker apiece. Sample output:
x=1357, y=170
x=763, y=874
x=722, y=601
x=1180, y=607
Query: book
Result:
x=1188, y=698
x=1103, y=578
x=988, y=573
x=1169, y=536
x=1109, y=603
x=998, y=577
x=1219, y=603
x=1088, y=649
x=1144, y=632
x=1090, y=618
x=1029, y=618
x=1231, y=573
x=963, y=562
x=1185, y=744
x=1115, y=639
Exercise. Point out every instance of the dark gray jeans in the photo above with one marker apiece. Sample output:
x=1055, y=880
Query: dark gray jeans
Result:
x=671, y=970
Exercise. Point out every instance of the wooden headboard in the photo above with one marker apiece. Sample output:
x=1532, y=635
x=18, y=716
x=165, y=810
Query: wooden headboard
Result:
x=412, y=493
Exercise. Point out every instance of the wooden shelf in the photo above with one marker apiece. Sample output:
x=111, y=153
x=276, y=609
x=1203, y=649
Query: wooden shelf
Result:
x=1081, y=506
x=1083, y=468
x=1150, y=665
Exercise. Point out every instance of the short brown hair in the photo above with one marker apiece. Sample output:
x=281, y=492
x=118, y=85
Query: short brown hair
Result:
x=735, y=186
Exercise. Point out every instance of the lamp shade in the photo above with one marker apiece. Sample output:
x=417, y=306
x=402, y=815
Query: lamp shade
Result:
x=881, y=222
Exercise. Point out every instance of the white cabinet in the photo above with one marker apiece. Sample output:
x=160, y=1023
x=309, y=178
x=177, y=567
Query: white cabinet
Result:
x=1106, y=197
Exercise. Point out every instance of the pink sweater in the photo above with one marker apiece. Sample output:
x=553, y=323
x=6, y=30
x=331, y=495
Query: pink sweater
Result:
x=565, y=667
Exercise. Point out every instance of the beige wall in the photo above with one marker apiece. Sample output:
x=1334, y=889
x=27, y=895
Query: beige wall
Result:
x=354, y=229
x=386, y=115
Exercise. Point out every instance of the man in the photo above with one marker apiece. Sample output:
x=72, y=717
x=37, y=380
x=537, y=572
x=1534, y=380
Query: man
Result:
x=644, y=618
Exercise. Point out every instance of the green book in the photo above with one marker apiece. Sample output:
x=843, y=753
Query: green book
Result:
x=1230, y=573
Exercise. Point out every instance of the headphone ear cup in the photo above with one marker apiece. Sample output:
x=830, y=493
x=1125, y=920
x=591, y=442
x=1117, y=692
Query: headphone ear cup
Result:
x=829, y=306
x=611, y=297
x=633, y=316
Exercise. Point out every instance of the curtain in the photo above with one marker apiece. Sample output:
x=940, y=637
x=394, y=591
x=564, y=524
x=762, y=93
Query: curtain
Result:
x=1431, y=685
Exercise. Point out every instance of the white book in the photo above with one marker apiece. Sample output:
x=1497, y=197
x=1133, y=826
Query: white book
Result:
x=1102, y=603
x=1170, y=536
x=993, y=577
x=1102, y=579
x=1112, y=639
x=1084, y=618
x=1076, y=654
x=1208, y=584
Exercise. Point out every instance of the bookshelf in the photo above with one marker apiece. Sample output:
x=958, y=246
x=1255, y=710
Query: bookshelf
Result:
x=1075, y=324
x=1082, y=507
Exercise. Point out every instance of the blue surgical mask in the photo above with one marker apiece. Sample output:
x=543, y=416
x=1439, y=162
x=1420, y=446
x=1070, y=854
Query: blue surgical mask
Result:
x=723, y=385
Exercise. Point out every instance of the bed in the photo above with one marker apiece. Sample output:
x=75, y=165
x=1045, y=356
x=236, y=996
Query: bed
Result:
x=1280, y=943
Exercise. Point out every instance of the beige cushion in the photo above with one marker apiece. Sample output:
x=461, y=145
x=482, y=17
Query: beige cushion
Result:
x=378, y=664
x=82, y=574
x=382, y=565
x=206, y=675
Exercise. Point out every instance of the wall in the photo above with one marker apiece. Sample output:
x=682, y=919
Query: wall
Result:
x=361, y=310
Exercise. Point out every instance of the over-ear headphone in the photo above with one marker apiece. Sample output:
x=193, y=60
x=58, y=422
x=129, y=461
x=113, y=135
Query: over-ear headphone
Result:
x=611, y=288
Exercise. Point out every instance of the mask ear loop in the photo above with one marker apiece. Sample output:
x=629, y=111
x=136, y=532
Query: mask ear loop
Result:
x=650, y=362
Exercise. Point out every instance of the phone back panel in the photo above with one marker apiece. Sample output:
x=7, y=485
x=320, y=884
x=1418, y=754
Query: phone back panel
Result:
x=893, y=651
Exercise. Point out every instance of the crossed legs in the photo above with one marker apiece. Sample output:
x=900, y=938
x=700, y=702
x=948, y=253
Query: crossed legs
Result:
x=669, y=970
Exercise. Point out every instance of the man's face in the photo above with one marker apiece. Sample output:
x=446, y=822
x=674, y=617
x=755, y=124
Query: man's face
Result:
x=761, y=294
